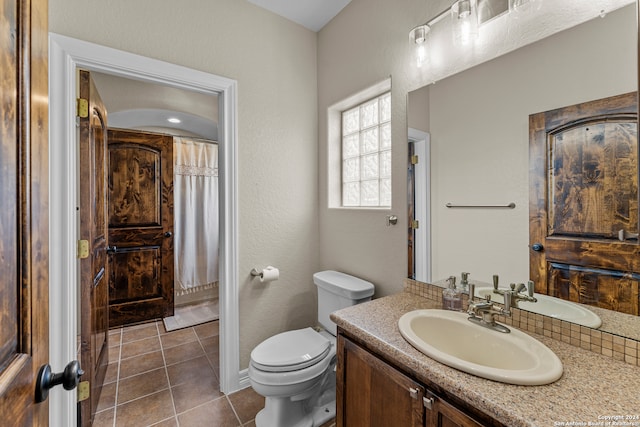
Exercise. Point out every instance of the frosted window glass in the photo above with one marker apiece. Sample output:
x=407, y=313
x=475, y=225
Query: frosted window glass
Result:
x=385, y=164
x=370, y=140
x=351, y=194
x=385, y=108
x=370, y=167
x=370, y=193
x=385, y=192
x=351, y=169
x=351, y=121
x=351, y=146
x=385, y=136
x=366, y=154
x=369, y=114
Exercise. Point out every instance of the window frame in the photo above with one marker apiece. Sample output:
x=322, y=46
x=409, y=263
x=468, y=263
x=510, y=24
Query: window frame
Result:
x=335, y=156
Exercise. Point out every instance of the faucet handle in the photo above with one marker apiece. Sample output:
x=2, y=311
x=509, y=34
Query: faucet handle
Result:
x=507, y=303
x=495, y=282
x=530, y=288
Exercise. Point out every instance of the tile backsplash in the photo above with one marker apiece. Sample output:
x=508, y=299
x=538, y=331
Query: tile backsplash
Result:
x=607, y=344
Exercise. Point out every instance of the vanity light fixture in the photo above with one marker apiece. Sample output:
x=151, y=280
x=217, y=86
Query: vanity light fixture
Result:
x=464, y=17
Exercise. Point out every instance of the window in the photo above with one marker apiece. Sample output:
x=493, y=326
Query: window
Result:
x=366, y=153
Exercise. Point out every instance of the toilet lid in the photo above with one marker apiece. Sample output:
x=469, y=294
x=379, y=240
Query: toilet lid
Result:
x=290, y=350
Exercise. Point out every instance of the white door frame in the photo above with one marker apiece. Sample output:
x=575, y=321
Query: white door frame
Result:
x=66, y=55
x=422, y=208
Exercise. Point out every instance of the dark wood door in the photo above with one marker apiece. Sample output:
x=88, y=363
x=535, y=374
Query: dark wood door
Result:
x=94, y=313
x=24, y=232
x=584, y=203
x=371, y=393
x=140, y=226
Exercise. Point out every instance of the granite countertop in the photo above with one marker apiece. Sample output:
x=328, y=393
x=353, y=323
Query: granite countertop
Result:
x=592, y=386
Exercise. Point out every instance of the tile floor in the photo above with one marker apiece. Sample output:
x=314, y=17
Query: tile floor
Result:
x=159, y=378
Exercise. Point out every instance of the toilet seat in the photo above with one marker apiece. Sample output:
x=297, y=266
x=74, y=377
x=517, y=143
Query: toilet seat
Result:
x=290, y=351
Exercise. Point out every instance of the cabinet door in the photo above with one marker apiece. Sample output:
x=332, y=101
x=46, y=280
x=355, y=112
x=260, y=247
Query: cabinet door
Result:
x=443, y=414
x=371, y=393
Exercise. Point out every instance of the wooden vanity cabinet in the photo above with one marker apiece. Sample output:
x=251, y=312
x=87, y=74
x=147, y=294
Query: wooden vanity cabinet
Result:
x=372, y=393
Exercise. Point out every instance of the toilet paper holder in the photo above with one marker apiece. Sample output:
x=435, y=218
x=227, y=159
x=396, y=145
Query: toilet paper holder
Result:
x=256, y=273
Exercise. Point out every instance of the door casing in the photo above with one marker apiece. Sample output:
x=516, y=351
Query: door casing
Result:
x=66, y=55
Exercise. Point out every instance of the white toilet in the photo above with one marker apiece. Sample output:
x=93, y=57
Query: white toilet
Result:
x=295, y=370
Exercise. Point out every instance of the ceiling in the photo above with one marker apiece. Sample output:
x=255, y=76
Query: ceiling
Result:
x=133, y=104
x=312, y=14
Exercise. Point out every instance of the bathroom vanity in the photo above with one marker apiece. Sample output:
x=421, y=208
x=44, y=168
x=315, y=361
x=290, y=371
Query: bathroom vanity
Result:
x=372, y=392
x=382, y=380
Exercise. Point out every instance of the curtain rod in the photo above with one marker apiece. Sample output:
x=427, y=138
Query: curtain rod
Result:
x=196, y=138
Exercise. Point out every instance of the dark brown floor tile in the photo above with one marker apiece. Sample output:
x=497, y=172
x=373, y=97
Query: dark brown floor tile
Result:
x=191, y=370
x=194, y=393
x=136, y=348
x=181, y=353
x=138, y=333
x=104, y=418
x=207, y=329
x=112, y=372
x=174, y=338
x=216, y=413
x=107, y=397
x=114, y=354
x=139, y=364
x=171, y=422
x=215, y=364
x=247, y=403
x=142, y=385
x=115, y=337
x=211, y=344
x=145, y=411
x=251, y=423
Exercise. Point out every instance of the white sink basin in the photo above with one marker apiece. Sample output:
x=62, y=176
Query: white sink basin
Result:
x=449, y=338
x=551, y=306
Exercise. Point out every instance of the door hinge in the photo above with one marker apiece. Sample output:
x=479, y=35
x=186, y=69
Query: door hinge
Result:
x=414, y=392
x=428, y=402
x=414, y=159
x=84, y=389
x=415, y=224
x=83, y=249
x=82, y=108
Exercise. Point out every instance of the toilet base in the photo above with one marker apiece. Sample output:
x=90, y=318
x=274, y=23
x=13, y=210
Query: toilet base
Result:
x=283, y=412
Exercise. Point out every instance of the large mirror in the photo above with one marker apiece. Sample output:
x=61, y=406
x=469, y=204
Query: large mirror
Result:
x=476, y=126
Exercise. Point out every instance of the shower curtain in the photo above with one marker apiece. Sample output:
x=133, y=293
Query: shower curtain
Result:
x=195, y=215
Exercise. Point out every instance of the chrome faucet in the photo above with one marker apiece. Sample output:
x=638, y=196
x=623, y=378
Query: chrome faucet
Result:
x=484, y=313
x=516, y=291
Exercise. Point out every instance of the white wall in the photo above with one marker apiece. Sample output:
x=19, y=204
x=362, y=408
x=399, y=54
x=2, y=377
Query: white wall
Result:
x=479, y=139
x=368, y=42
x=274, y=62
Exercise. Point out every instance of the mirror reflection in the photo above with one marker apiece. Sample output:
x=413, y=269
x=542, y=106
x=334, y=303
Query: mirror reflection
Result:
x=475, y=125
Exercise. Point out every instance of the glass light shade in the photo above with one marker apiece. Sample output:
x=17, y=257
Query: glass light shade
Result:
x=418, y=37
x=464, y=21
x=517, y=6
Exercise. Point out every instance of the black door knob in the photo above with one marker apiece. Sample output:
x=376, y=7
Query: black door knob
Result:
x=537, y=247
x=168, y=234
x=46, y=380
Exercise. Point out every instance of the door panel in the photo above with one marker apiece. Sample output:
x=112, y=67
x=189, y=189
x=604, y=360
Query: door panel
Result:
x=584, y=203
x=140, y=226
x=24, y=233
x=94, y=314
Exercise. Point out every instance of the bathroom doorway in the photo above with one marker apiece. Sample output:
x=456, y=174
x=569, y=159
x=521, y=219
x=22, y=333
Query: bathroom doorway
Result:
x=66, y=56
x=139, y=114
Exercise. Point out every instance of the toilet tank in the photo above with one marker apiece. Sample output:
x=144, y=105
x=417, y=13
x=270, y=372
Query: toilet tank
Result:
x=338, y=290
